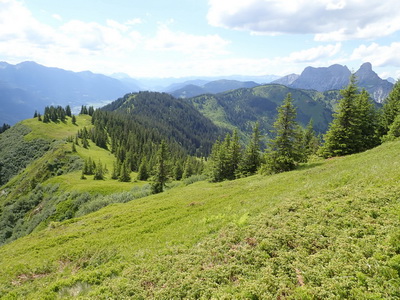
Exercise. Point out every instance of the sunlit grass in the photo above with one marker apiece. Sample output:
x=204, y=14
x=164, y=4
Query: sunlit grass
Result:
x=58, y=130
x=327, y=230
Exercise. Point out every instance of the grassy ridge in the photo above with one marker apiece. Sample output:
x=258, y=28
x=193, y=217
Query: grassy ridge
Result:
x=50, y=187
x=328, y=230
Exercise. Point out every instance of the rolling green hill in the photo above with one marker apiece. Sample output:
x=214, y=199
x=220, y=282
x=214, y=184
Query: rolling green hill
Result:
x=330, y=229
x=42, y=177
x=243, y=107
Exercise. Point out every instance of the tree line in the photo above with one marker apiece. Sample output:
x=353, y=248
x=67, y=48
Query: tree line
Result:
x=357, y=126
x=4, y=127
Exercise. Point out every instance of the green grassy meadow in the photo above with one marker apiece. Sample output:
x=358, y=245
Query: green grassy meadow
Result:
x=329, y=230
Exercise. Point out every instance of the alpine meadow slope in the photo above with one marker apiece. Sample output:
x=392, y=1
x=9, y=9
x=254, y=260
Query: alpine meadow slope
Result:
x=329, y=229
x=48, y=168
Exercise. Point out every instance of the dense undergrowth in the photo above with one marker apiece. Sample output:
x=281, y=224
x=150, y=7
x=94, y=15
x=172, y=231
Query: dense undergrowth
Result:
x=17, y=152
x=329, y=230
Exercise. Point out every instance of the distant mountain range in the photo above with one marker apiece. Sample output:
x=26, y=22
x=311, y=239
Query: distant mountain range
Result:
x=213, y=87
x=337, y=77
x=28, y=86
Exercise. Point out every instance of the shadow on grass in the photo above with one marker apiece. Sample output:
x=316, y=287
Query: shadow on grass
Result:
x=308, y=166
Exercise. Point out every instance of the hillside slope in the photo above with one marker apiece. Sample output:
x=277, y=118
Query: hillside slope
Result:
x=242, y=108
x=40, y=176
x=327, y=230
x=174, y=119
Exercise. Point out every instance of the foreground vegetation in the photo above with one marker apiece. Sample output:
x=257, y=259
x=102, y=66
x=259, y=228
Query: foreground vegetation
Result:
x=329, y=229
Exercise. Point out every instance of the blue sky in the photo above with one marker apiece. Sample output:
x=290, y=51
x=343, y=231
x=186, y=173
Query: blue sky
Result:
x=171, y=38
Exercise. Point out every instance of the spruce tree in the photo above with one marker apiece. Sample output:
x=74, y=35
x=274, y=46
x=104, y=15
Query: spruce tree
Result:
x=178, y=172
x=187, y=168
x=215, y=163
x=143, y=173
x=284, y=148
x=251, y=160
x=234, y=156
x=391, y=107
x=344, y=134
x=99, y=171
x=367, y=121
x=68, y=111
x=73, y=120
x=310, y=142
x=161, y=169
x=394, y=130
x=85, y=143
x=125, y=175
x=115, y=171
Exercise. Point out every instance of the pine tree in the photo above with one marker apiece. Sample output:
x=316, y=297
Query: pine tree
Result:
x=143, y=173
x=161, y=171
x=83, y=174
x=234, y=156
x=73, y=148
x=115, y=172
x=99, y=171
x=394, y=130
x=68, y=111
x=344, y=134
x=187, y=168
x=284, y=149
x=310, y=142
x=85, y=143
x=46, y=118
x=125, y=175
x=391, y=107
x=39, y=117
x=90, y=111
x=215, y=163
x=178, y=172
x=73, y=120
x=35, y=114
x=251, y=160
x=367, y=121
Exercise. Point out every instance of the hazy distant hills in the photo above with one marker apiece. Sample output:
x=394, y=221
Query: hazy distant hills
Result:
x=28, y=86
x=337, y=77
x=213, y=87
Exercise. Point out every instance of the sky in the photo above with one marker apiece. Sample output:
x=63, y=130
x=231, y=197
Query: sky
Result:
x=180, y=38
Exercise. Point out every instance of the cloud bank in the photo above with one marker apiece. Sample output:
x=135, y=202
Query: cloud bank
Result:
x=327, y=20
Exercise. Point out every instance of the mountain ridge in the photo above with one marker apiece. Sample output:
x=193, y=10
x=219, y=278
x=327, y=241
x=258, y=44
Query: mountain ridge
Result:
x=336, y=77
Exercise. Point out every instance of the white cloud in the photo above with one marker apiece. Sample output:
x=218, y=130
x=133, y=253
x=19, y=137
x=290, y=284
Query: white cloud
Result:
x=57, y=17
x=168, y=40
x=328, y=20
x=133, y=22
x=16, y=22
x=380, y=56
x=314, y=54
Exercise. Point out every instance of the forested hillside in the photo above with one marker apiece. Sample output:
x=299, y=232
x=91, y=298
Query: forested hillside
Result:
x=174, y=119
x=243, y=107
